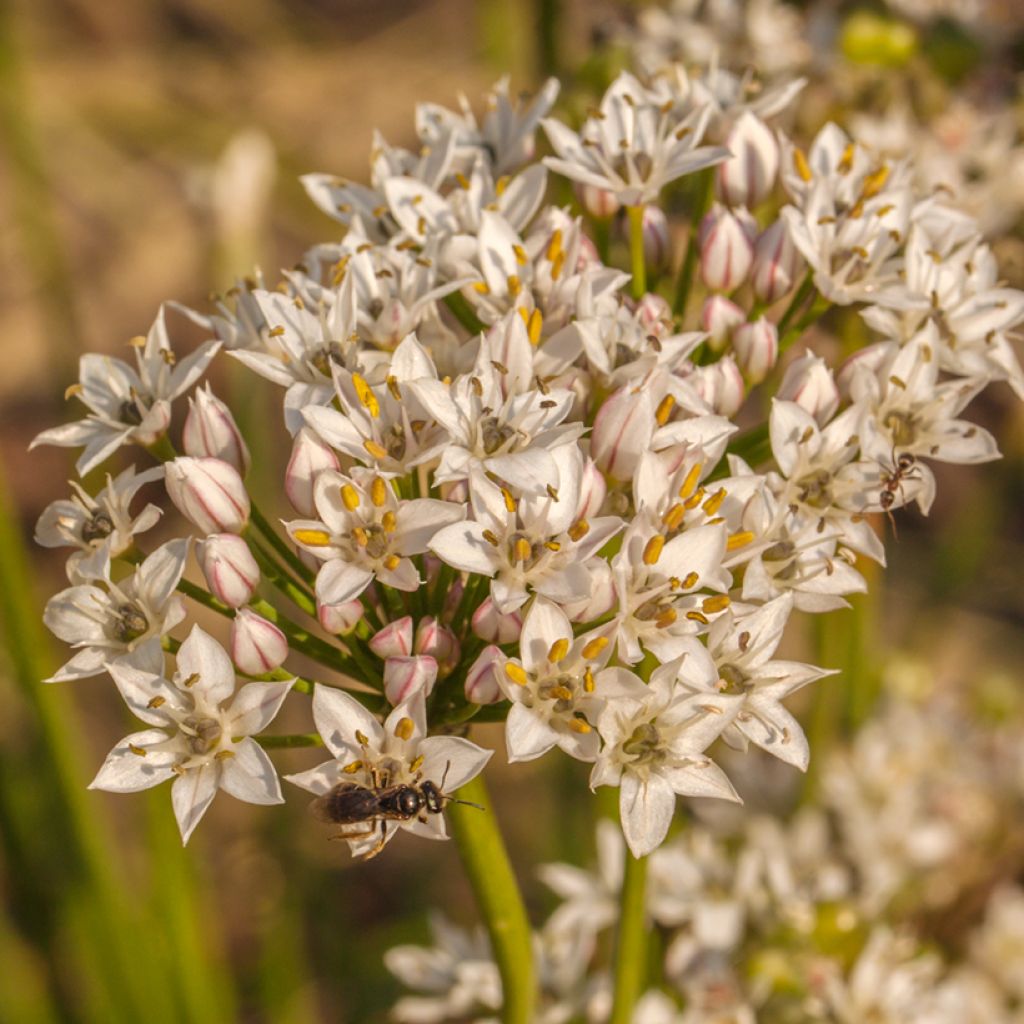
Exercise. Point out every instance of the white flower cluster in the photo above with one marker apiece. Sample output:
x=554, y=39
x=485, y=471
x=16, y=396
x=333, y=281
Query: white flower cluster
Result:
x=892, y=900
x=520, y=487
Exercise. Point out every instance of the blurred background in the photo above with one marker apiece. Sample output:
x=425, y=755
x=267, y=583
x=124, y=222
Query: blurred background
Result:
x=151, y=150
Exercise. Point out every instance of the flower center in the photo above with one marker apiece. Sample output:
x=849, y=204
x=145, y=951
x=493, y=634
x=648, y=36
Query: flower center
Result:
x=98, y=527
x=129, y=623
x=644, y=744
x=202, y=733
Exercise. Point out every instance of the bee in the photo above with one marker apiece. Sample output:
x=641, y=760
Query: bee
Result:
x=373, y=806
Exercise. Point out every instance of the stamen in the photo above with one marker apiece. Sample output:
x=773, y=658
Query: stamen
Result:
x=664, y=410
x=349, y=497
x=653, y=549
x=690, y=480
x=594, y=647
x=378, y=492
x=405, y=728
x=516, y=673
x=558, y=650
x=717, y=603
x=313, y=538
x=579, y=530
x=738, y=540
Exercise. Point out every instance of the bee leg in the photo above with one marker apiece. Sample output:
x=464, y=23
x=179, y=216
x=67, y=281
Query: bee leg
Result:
x=363, y=833
x=380, y=842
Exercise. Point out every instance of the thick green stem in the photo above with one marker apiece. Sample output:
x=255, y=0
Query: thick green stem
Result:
x=630, y=968
x=308, y=739
x=636, y=250
x=463, y=312
x=497, y=894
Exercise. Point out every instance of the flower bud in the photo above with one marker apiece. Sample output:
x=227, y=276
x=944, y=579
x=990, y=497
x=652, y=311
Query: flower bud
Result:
x=482, y=678
x=340, y=618
x=438, y=641
x=777, y=262
x=229, y=567
x=257, y=646
x=310, y=457
x=757, y=348
x=592, y=492
x=726, y=249
x=746, y=178
x=491, y=625
x=657, y=244
x=210, y=429
x=655, y=314
x=598, y=202
x=394, y=640
x=209, y=492
x=404, y=677
x=809, y=382
x=720, y=384
x=718, y=317
x=623, y=428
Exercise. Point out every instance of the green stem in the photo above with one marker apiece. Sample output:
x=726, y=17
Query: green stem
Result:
x=636, y=250
x=630, y=969
x=307, y=739
x=463, y=312
x=279, y=578
x=287, y=555
x=497, y=894
x=817, y=310
x=704, y=187
x=805, y=289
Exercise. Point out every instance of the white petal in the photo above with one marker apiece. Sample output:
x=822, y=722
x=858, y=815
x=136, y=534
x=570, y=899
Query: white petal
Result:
x=339, y=717
x=191, y=795
x=339, y=581
x=646, y=808
x=160, y=572
x=452, y=759
x=250, y=775
x=527, y=735
x=544, y=624
x=139, y=689
x=126, y=772
x=462, y=545
x=202, y=656
x=419, y=521
x=256, y=705
x=319, y=780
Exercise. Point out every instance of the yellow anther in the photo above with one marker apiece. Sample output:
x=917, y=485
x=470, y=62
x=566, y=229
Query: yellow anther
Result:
x=359, y=536
x=717, y=603
x=190, y=681
x=501, y=184
x=157, y=702
x=349, y=497
x=510, y=502
x=579, y=529
x=378, y=492
x=416, y=763
x=312, y=538
x=72, y=390
x=353, y=766
x=555, y=245
x=389, y=521
x=875, y=182
x=139, y=341
x=690, y=480
x=552, y=545
x=392, y=383
x=594, y=647
x=378, y=451
x=516, y=673
x=491, y=537
x=674, y=582
x=481, y=288
x=558, y=650
x=561, y=692
x=666, y=618
x=515, y=286
x=696, y=616
x=846, y=160
x=405, y=728
x=223, y=755
x=521, y=549
x=365, y=394
x=664, y=410
x=714, y=503
x=588, y=681
x=552, y=492
x=534, y=325
x=137, y=751
x=557, y=264
x=690, y=581
x=800, y=165
x=392, y=562
x=362, y=739
x=694, y=499
x=653, y=549
x=462, y=180
x=521, y=258
x=673, y=518
x=276, y=332
x=578, y=725
x=738, y=540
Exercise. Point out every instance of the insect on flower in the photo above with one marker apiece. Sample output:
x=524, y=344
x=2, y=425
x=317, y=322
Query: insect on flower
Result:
x=349, y=803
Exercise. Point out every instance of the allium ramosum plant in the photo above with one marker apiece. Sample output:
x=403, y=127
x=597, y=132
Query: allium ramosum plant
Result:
x=542, y=474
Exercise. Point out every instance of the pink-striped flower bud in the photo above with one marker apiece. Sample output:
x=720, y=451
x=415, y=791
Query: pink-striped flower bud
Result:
x=229, y=567
x=592, y=491
x=808, y=381
x=257, y=646
x=746, y=178
x=310, y=457
x=209, y=492
x=437, y=640
x=210, y=429
x=491, y=625
x=655, y=314
x=340, y=618
x=598, y=202
x=719, y=317
x=720, y=384
x=404, y=677
x=757, y=348
x=657, y=242
x=623, y=428
x=726, y=248
x=777, y=263
x=482, y=678
x=394, y=640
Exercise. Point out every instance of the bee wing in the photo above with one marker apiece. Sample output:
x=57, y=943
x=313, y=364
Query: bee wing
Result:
x=344, y=804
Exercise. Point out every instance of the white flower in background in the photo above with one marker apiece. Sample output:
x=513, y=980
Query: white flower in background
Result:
x=654, y=745
x=195, y=737
x=128, y=405
x=634, y=146
x=397, y=752
x=366, y=532
x=105, y=620
x=101, y=527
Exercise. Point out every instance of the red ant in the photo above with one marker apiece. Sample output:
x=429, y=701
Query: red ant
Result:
x=903, y=468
